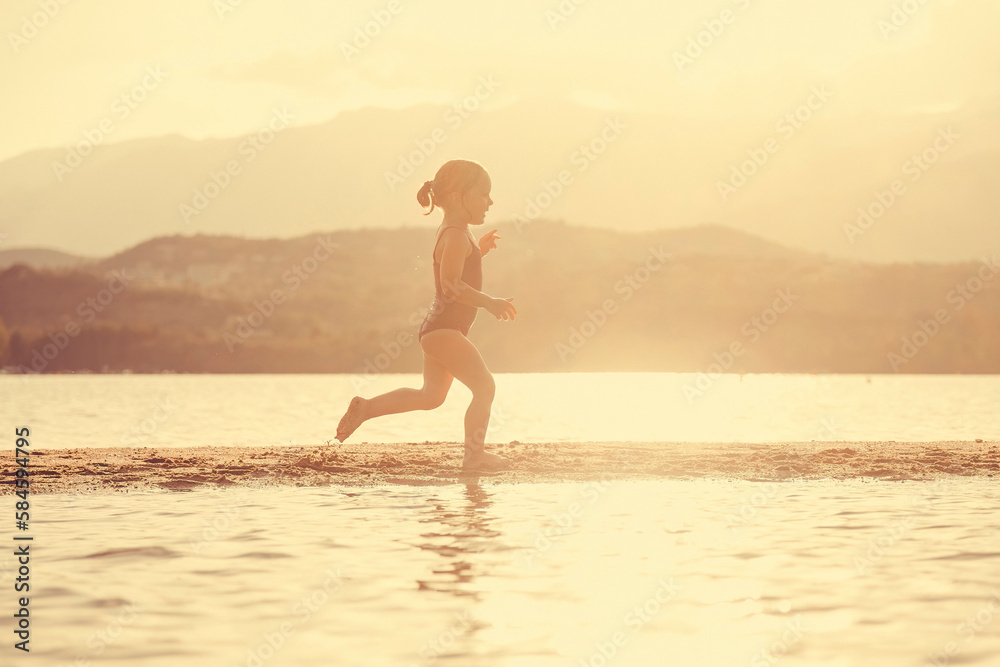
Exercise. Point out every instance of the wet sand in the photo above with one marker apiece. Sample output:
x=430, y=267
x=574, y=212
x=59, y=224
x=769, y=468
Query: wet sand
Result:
x=118, y=470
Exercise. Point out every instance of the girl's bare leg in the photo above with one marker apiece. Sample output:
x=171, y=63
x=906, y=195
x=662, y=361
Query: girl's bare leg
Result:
x=461, y=358
x=437, y=382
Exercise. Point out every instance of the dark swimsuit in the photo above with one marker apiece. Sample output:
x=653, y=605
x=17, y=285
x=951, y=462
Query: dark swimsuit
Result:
x=446, y=313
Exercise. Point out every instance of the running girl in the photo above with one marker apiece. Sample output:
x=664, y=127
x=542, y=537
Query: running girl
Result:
x=461, y=189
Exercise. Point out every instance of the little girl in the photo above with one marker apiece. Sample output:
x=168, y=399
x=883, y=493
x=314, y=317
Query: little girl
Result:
x=461, y=189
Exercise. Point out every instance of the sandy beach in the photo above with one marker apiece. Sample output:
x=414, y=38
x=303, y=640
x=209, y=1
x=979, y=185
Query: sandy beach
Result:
x=119, y=470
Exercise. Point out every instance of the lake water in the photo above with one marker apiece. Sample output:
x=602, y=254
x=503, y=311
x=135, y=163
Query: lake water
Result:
x=187, y=410
x=646, y=573
x=673, y=572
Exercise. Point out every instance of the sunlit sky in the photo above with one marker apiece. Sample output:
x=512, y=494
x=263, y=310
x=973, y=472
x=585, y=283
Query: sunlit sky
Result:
x=227, y=69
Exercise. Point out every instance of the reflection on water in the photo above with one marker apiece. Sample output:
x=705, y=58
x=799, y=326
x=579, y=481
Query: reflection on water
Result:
x=624, y=573
x=466, y=533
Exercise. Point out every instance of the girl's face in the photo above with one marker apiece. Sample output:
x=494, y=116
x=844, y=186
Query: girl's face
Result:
x=477, y=200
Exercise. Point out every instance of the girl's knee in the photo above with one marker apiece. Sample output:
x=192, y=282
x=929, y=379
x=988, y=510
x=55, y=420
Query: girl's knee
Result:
x=485, y=390
x=432, y=401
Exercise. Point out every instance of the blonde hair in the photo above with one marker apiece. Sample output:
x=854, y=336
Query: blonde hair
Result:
x=453, y=176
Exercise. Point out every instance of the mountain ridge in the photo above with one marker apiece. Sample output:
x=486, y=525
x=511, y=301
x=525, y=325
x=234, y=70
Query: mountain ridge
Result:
x=705, y=300
x=662, y=172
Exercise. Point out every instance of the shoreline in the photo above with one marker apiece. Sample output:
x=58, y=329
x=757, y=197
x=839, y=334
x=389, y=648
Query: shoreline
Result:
x=127, y=469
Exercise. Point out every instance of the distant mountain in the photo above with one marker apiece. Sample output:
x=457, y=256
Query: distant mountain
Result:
x=626, y=171
x=182, y=259
x=40, y=258
x=707, y=299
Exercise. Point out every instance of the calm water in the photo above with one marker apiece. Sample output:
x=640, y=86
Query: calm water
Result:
x=187, y=410
x=698, y=573
x=680, y=573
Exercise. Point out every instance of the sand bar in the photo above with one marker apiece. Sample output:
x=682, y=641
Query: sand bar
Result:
x=118, y=470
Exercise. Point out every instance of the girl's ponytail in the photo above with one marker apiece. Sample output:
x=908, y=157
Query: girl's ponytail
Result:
x=425, y=197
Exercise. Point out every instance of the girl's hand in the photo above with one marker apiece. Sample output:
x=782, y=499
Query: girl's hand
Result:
x=488, y=242
x=502, y=309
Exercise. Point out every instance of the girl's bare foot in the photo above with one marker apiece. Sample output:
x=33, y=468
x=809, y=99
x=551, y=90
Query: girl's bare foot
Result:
x=483, y=460
x=357, y=413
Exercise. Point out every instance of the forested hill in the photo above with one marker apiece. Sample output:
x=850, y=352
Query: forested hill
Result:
x=698, y=299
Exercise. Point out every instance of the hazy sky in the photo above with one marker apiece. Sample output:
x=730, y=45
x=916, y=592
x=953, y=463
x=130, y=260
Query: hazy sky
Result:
x=223, y=70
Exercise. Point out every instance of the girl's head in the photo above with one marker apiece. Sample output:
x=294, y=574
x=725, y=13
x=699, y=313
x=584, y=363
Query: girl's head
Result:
x=460, y=187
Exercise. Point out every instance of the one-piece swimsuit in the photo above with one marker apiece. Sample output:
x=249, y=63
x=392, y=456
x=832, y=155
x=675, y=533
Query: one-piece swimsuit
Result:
x=446, y=313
